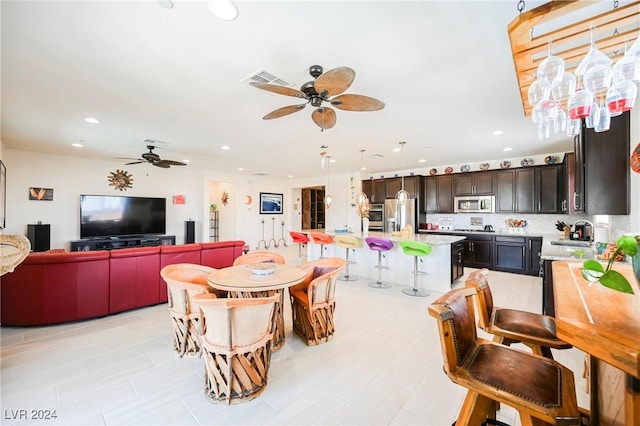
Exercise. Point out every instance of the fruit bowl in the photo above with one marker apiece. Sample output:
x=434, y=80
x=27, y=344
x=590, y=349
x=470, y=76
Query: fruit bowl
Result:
x=262, y=269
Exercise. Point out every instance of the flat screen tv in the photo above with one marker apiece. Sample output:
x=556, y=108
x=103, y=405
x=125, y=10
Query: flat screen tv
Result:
x=107, y=216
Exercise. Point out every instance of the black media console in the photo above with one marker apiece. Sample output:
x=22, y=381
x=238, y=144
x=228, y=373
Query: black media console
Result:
x=115, y=243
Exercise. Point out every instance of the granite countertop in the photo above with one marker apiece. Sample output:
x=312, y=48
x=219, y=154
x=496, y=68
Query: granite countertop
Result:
x=501, y=232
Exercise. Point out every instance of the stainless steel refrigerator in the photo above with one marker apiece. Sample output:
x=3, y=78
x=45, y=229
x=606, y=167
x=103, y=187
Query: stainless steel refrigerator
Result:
x=398, y=216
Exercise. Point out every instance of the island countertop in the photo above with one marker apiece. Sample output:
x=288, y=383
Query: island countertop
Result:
x=434, y=239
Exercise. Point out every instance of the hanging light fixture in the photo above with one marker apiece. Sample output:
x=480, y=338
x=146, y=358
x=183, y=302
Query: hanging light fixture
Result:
x=361, y=198
x=402, y=196
x=328, y=199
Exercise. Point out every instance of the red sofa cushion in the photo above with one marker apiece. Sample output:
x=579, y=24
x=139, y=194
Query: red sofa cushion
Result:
x=220, y=254
x=183, y=253
x=49, y=288
x=134, y=278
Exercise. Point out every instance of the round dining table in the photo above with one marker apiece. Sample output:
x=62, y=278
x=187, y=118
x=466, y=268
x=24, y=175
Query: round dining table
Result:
x=240, y=282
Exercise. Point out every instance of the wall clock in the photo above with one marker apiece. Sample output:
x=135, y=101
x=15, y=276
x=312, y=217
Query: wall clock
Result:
x=120, y=179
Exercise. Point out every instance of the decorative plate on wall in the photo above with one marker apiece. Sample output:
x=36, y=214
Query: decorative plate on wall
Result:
x=551, y=159
x=484, y=166
x=448, y=170
x=505, y=164
x=433, y=172
x=526, y=162
x=465, y=168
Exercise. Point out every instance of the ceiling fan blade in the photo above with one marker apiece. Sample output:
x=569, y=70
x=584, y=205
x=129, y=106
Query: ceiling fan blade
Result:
x=281, y=90
x=281, y=112
x=324, y=117
x=161, y=163
x=174, y=163
x=357, y=103
x=135, y=162
x=334, y=81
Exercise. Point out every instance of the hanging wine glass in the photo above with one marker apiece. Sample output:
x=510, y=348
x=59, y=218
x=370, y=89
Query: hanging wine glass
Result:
x=590, y=121
x=579, y=104
x=627, y=68
x=573, y=127
x=560, y=121
x=602, y=118
x=565, y=87
x=633, y=56
x=537, y=93
x=593, y=58
x=550, y=70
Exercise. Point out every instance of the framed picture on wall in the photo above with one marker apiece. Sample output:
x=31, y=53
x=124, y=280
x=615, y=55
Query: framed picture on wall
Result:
x=270, y=203
x=3, y=194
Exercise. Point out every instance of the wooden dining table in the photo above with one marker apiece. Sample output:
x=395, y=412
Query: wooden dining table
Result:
x=239, y=281
x=605, y=324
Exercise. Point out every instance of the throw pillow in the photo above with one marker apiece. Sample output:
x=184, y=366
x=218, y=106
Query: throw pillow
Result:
x=318, y=271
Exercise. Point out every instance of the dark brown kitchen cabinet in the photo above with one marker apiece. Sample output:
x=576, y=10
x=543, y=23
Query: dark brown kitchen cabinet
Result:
x=505, y=191
x=375, y=190
x=567, y=188
x=547, y=188
x=510, y=254
x=367, y=188
x=525, y=190
x=478, y=251
x=392, y=186
x=457, y=268
x=476, y=183
x=534, y=248
x=412, y=186
x=437, y=194
x=605, y=167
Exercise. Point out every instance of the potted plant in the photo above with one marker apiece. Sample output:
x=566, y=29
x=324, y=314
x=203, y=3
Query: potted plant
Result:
x=593, y=271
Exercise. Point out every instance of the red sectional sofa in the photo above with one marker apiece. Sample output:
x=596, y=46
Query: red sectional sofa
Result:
x=54, y=287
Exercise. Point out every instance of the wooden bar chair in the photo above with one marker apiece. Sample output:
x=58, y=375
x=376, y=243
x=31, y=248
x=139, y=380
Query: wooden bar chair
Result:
x=236, y=346
x=348, y=242
x=322, y=239
x=184, y=281
x=509, y=326
x=313, y=301
x=539, y=388
x=259, y=256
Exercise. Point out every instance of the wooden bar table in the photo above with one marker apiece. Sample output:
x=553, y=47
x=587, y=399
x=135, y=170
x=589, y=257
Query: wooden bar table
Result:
x=239, y=281
x=605, y=324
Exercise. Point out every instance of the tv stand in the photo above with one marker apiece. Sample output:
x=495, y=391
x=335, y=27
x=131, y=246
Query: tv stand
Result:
x=121, y=242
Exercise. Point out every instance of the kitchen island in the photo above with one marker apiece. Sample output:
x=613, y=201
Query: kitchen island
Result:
x=437, y=265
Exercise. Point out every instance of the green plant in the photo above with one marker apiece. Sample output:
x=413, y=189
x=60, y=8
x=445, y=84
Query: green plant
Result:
x=593, y=271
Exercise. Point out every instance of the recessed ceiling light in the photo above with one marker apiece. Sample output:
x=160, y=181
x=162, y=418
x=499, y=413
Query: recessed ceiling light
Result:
x=77, y=145
x=225, y=147
x=167, y=4
x=497, y=132
x=396, y=149
x=507, y=149
x=289, y=176
x=331, y=160
x=92, y=120
x=241, y=169
x=422, y=160
x=186, y=161
x=223, y=9
x=363, y=168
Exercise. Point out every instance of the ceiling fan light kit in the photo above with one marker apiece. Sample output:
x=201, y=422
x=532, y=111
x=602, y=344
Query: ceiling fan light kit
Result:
x=321, y=89
x=561, y=92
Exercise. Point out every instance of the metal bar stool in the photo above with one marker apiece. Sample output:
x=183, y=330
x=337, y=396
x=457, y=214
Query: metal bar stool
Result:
x=348, y=242
x=322, y=239
x=300, y=239
x=415, y=249
x=379, y=245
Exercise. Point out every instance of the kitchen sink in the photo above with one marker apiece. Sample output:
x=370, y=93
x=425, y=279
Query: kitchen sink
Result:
x=572, y=243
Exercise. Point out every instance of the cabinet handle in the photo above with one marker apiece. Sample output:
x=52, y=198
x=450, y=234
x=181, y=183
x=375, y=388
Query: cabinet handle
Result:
x=575, y=201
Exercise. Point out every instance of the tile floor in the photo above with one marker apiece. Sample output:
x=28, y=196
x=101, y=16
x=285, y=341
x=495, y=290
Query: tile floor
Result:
x=383, y=367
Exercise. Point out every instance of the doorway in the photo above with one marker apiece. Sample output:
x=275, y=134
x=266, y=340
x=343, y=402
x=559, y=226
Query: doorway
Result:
x=313, y=208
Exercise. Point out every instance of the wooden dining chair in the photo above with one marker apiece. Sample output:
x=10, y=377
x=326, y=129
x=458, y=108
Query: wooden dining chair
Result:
x=313, y=300
x=184, y=281
x=509, y=326
x=259, y=256
x=540, y=389
x=236, y=346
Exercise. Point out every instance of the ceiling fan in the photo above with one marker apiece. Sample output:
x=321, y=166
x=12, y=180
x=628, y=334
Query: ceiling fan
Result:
x=323, y=88
x=154, y=159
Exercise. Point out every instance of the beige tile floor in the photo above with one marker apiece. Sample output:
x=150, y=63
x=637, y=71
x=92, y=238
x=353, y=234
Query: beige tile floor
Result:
x=384, y=366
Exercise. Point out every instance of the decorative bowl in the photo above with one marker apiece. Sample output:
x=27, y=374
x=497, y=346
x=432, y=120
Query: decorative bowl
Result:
x=433, y=172
x=484, y=166
x=262, y=269
x=448, y=170
x=551, y=159
x=465, y=168
x=526, y=162
x=505, y=164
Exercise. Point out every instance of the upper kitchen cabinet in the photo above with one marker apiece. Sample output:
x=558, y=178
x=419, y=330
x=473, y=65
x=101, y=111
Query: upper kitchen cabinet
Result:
x=476, y=183
x=437, y=194
x=549, y=189
x=392, y=186
x=602, y=159
x=529, y=190
x=375, y=190
x=412, y=186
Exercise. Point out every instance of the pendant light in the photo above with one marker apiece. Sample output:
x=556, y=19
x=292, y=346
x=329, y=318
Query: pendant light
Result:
x=402, y=196
x=328, y=199
x=361, y=198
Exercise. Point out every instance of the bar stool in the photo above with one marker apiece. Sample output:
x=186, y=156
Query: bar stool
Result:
x=300, y=239
x=347, y=242
x=415, y=249
x=379, y=245
x=322, y=239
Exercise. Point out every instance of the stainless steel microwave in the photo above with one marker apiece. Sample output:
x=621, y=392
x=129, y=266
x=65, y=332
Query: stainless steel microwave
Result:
x=474, y=204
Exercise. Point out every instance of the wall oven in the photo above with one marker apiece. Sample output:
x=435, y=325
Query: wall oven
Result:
x=376, y=217
x=474, y=204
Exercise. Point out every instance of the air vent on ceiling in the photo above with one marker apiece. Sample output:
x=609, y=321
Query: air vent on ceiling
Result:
x=375, y=156
x=154, y=142
x=262, y=76
x=260, y=174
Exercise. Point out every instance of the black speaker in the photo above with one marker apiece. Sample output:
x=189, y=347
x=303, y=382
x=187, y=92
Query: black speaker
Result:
x=189, y=231
x=39, y=236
